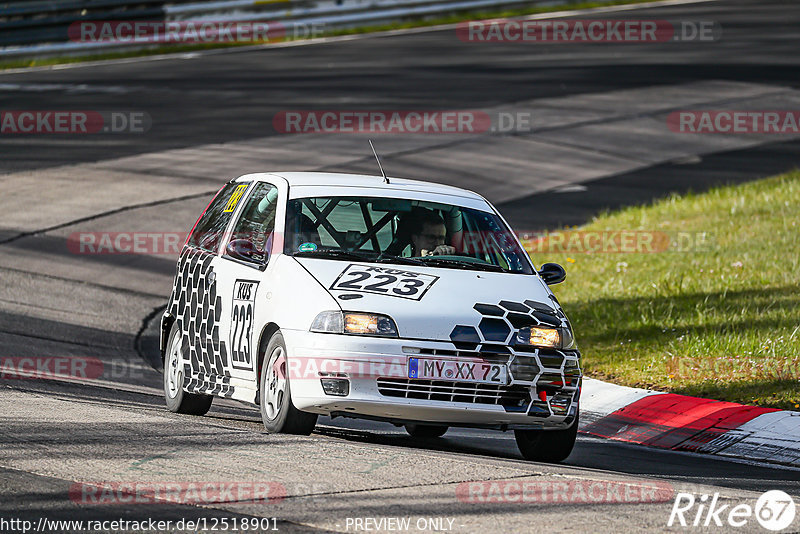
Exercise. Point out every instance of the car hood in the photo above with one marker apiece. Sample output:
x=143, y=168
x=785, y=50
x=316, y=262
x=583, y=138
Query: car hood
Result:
x=450, y=304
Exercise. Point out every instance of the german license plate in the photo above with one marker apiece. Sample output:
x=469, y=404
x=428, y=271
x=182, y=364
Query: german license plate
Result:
x=484, y=373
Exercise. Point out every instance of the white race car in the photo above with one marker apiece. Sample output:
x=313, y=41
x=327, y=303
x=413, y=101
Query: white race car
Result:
x=381, y=298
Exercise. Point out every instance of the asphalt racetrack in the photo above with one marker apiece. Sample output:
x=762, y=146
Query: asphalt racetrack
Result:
x=596, y=138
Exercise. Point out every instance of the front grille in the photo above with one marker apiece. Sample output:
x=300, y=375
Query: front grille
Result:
x=524, y=368
x=448, y=391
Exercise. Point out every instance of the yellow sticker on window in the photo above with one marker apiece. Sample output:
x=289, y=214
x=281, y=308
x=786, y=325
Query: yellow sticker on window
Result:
x=237, y=194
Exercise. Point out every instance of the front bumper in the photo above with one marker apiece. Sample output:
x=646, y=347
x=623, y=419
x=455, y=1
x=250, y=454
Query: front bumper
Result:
x=543, y=389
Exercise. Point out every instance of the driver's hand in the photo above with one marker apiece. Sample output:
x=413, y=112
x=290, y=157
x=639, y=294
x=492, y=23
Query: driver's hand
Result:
x=441, y=250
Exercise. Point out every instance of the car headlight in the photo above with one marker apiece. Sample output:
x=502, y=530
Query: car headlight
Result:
x=357, y=323
x=539, y=336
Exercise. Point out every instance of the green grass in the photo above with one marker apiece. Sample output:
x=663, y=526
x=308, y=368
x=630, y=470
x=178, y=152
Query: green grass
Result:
x=720, y=322
x=417, y=23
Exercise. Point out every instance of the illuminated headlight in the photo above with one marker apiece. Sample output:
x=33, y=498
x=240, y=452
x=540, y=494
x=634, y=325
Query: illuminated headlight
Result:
x=537, y=336
x=363, y=324
x=370, y=324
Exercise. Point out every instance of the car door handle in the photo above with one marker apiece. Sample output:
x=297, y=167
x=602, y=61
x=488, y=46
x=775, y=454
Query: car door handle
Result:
x=211, y=277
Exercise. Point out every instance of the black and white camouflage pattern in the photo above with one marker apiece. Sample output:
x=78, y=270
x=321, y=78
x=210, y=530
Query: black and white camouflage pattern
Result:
x=197, y=309
x=495, y=329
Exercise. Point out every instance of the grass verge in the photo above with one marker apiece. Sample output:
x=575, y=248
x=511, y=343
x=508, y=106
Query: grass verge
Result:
x=715, y=317
x=418, y=23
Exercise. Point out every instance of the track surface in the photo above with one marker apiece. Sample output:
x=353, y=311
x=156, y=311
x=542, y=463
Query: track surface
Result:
x=55, y=303
x=234, y=95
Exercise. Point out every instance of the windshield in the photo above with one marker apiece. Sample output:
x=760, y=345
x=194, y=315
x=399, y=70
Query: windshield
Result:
x=405, y=231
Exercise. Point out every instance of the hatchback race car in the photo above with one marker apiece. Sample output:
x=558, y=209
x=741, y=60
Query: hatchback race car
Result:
x=389, y=299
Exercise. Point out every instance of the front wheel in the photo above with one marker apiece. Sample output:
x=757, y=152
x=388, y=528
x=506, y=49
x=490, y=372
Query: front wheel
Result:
x=277, y=411
x=178, y=400
x=551, y=446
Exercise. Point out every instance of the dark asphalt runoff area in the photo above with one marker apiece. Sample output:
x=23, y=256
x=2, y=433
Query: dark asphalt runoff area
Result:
x=233, y=95
x=212, y=119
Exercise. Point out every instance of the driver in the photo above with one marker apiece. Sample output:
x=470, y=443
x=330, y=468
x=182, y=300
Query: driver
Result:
x=428, y=234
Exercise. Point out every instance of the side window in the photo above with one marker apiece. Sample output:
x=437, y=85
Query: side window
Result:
x=257, y=220
x=486, y=241
x=207, y=233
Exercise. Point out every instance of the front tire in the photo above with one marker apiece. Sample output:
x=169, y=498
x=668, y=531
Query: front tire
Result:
x=552, y=446
x=425, y=431
x=275, y=394
x=178, y=400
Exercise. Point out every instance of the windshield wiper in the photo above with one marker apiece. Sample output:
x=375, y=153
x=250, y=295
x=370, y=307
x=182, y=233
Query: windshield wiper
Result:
x=390, y=258
x=429, y=260
x=335, y=253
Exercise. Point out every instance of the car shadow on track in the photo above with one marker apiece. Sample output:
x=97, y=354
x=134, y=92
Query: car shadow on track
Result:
x=592, y=453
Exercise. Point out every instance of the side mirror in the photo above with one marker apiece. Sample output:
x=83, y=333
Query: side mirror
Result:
x=552, y=273
x=241, y=249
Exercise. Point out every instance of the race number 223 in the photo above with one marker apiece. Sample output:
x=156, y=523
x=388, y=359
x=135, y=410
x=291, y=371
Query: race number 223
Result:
x=384, y=281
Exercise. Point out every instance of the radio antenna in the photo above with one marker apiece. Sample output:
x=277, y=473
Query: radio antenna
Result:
x=385, y=179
